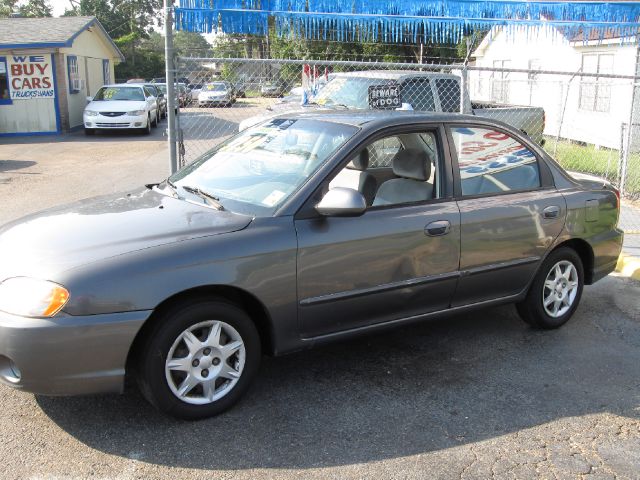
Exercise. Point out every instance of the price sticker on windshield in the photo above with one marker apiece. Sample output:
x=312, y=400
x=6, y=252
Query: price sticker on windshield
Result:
x=385, y=97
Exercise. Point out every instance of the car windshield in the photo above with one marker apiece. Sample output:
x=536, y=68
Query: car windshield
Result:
x=106, y=94
x=215, y=87
x=256, y=171
x=352, y=92
x=162, y=88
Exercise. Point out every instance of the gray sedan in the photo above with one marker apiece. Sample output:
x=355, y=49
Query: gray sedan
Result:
x=303, y=230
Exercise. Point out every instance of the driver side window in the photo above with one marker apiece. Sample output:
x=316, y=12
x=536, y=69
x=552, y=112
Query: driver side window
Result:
x=395, y=170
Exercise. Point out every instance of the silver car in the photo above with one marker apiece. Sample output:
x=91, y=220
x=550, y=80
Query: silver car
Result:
x=303, y=230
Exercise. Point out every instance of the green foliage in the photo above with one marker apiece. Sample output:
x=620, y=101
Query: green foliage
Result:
x=26, y=8
x=7, y=7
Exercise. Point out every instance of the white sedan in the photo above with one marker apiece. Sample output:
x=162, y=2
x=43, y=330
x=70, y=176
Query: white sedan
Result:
x=121, y=107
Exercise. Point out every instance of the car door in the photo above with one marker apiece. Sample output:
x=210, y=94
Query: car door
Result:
x=151, y=101
x=397, y=260
x=509, y=208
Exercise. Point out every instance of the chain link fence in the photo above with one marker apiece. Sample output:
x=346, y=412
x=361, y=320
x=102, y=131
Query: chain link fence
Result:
x=582, y=120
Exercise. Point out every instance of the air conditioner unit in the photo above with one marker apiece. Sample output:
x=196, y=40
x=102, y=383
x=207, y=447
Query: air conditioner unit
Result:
x=77, y=84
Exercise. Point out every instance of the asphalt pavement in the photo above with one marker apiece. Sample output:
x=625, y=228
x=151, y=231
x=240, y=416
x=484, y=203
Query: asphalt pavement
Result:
x=473, y=396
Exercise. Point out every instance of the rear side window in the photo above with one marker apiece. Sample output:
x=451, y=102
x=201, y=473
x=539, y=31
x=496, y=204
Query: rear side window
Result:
x=418, y=93
x=493, y=162
x=449, y=94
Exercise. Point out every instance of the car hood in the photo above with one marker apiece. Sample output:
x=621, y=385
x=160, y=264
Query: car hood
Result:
x=70, y=236
x=116, y=106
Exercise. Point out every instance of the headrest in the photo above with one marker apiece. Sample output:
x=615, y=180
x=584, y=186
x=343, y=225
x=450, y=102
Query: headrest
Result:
x=412, y=163
x=361, y=162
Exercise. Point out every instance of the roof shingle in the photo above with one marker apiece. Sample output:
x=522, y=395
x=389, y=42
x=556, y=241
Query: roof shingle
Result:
x=23, y=31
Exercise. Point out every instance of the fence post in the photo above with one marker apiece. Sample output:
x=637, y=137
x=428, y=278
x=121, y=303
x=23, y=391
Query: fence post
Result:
x=171, y=94
x=627, y=149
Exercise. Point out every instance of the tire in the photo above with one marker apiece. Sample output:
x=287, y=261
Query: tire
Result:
x=155, y=120
x=147, y=130
x=160, y=385
x=89, y=131
x=548, y=285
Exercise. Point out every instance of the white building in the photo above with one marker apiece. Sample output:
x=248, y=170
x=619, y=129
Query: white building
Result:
x=591, y=110
x=48, y=67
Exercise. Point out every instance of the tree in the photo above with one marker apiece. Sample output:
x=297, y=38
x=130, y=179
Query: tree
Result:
x=120, y=17
x=35, y=8
x=28, y=8
x=7, y=7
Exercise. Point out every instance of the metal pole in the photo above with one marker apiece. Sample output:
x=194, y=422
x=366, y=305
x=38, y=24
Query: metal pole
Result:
x=171, y=93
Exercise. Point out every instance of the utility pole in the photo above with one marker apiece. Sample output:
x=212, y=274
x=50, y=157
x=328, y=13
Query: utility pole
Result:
x=171, y=94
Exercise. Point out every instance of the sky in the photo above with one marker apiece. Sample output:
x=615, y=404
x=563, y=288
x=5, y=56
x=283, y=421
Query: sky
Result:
x=59, y=6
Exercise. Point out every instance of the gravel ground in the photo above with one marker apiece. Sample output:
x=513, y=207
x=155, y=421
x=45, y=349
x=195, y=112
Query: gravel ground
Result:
x=473, y=396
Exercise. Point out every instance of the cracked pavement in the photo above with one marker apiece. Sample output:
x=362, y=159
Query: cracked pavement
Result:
x=473, y=396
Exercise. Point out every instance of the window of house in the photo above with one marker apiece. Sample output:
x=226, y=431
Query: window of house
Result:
x=500, y=82
x=595, y=92
x=5, y=92
x=493, y=162
x=73, y=74
x=106, y=72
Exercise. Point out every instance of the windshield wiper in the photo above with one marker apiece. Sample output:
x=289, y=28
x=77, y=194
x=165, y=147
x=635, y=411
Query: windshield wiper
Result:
x=208, y=197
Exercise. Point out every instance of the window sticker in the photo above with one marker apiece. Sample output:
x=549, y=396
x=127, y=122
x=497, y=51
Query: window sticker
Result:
x=273, y=198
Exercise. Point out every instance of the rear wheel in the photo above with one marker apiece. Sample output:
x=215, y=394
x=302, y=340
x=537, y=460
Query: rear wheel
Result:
x=555, y=292
x=199, y=359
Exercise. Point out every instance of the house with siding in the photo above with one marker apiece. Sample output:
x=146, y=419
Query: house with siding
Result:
x=593, y=110
x=48, y=67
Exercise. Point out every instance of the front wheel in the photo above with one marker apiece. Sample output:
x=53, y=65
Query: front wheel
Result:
x=199, y=360
x=146, y=130
x=555, y=292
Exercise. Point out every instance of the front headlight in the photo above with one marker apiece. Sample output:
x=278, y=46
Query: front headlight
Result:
x=136, y=113
x=90, y=113
x=30, y=297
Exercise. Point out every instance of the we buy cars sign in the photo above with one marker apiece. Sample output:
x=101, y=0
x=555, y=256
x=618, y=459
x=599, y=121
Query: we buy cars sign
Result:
x=483, y=151
x=31, y=76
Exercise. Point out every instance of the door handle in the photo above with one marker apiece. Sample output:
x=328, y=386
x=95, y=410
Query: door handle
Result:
x=436, y=229
x=551, y=212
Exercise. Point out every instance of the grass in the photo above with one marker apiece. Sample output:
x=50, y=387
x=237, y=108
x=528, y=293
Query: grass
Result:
x=602, y=162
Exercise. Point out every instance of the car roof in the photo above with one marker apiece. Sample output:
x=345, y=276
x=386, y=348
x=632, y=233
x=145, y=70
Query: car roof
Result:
x=359, y=118
x=123, y=85
x=397, y=75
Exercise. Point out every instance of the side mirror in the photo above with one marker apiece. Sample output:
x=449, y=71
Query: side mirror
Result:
x=161, y=95
x=89, y=99
x=342, y=202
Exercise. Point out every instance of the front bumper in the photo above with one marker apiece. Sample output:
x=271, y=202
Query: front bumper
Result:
x=67, y=355
x=122, y=121
x=214, y=101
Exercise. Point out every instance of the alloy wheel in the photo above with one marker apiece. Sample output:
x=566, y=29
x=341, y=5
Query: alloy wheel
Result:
x=205, y=362
x=560, y=288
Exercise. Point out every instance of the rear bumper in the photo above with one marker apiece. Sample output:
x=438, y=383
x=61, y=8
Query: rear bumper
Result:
x=606, y=251
x=67, y=355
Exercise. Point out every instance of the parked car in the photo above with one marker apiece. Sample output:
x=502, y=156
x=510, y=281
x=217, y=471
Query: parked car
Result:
x=216, y=94
x=121, y=106
x=161, y=101
x=195, y=88
x=240, y=89
x=272, y=89
x=424, y=91
x=180, y=96
x=306, y=229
